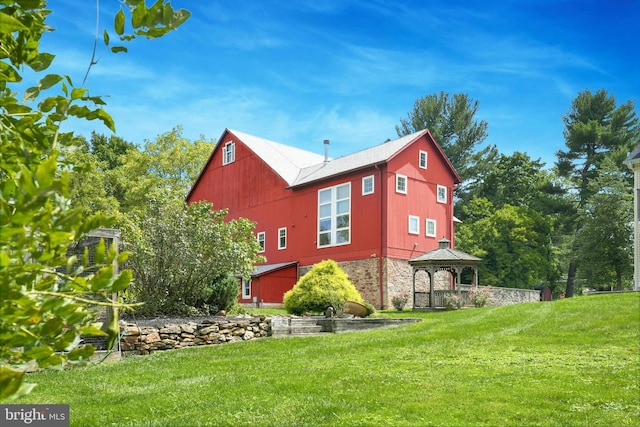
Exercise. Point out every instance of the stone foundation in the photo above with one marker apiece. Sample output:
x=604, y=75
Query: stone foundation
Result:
x=147, y=339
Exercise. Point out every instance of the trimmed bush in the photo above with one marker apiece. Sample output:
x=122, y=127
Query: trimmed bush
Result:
x=326, y=284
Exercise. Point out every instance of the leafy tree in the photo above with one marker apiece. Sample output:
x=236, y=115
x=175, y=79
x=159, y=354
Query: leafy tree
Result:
x=452, y=122
x=594, y=126
x=325, y=285
x=514, y=243
x=44, y=300
x=178, y=251
x=109, y=150
x=164, y=170
x=606, y=248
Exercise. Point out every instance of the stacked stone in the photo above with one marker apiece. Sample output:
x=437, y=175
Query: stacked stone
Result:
x=146, y=339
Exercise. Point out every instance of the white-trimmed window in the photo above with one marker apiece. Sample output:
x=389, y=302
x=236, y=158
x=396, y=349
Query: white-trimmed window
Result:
x=414, y=224
x=334, y=215
x=430, y=227
x=367, y=185
x=229, y=153
x=282, y=238
x=262, y=240
x=422, y=159
x=442, y=194
x=401, y=184
x=246, y=289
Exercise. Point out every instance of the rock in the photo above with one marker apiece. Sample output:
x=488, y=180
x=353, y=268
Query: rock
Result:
x=208, y=330
x=248, y=336
x=189, y=328
x=152, y=337
x=170, y=329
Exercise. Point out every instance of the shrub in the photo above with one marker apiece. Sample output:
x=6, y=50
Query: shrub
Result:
x=479, y=297
x=399, y=302
x=326, y=284
x=452, y=301
x=223, y=294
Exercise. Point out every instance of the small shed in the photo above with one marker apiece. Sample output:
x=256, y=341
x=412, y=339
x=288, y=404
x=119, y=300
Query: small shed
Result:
x=443, y=259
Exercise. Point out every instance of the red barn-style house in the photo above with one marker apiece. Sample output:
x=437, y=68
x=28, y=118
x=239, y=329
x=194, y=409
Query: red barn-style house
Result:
x=370, y=211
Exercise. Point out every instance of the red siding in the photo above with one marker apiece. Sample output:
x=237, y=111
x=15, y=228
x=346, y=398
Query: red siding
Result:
x=249, y=188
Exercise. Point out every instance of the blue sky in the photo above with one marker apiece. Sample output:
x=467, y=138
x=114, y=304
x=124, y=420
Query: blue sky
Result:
x=299, y=72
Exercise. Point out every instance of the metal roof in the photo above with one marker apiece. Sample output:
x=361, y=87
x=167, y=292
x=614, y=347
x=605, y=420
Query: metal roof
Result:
x=299, y=167
x=259, y=270
x=634, y=156
x=444, y=254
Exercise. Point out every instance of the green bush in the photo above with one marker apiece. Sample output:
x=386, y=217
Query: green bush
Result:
x=326, y=284
x=223, y=294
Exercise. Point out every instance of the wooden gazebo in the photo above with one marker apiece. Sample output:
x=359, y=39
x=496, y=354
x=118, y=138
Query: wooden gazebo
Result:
x=443, y=259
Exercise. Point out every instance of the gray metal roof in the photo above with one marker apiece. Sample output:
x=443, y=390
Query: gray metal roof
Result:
x=444, y=254
x=299, y=167
x=634, y=156
x=266, y=268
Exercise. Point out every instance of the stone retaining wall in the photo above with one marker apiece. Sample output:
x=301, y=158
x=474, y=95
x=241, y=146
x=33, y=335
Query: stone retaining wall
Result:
x=147, y=339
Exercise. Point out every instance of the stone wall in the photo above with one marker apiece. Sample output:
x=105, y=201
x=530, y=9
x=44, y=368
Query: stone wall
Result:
x=147, y=339
x=509, y=296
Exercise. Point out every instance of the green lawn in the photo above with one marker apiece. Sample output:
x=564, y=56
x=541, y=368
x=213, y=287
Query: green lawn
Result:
x=572, y=362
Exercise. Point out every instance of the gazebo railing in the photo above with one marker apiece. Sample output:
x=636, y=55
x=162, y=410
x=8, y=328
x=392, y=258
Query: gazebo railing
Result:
x=422, y=298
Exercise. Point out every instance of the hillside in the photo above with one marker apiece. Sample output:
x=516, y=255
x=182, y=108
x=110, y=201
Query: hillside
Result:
x=569, y=362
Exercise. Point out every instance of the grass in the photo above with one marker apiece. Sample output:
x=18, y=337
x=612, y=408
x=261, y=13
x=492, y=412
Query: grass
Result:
x=572, y=362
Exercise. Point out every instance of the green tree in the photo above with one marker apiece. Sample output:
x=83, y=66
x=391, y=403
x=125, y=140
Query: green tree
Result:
x=179, y=251
x=325, y=285
x=594, y=126
x=605, y=252
x=164, y=170
x=452, y=121
x=43, y=298
x=514, y=243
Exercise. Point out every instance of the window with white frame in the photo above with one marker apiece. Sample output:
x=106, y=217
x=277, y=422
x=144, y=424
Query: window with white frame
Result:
x=401, y=184
x=246, y=288
x=282, y=238
x=334, y=215
x=442, y=194
x=262, y=241
x=431, y=227
x=414, y=224
x=367, y=185
x=229, y=153
x=422, y=162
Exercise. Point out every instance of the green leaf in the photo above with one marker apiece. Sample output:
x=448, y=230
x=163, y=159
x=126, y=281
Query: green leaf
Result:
x=118, y=23
x=42, y=62
x=10, y=24
x=105, y=37
x=78, y=93
x=117, y=49
x=81, y=353
x=122, y=282
x=10, y=380
x=38, y=352
x=101, y=250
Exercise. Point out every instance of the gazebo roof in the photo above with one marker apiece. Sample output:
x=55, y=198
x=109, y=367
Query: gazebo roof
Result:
x=445, y=255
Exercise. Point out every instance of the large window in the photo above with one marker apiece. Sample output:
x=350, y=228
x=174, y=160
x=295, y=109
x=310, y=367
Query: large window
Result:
x=334, y=215
x=282, y=238
x=367, y=185
x=262, y=241
x=229, y=153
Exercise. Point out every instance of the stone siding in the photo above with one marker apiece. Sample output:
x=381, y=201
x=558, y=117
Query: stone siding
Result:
x=147, y=339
